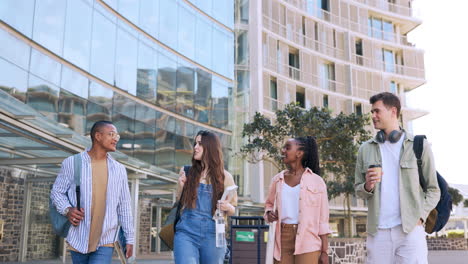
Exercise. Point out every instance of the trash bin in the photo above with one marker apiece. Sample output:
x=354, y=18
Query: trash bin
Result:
x=248, y=238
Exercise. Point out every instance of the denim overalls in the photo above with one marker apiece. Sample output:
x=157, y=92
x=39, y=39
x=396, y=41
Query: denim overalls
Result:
x=194, y=241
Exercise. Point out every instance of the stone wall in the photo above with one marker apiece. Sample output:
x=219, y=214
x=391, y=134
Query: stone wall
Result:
x=11, y=209
x=347, y=250
x=144, y=240
x=42, y=242
x=447, y=244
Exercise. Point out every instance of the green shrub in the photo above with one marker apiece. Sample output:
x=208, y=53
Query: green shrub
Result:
x=456, y=234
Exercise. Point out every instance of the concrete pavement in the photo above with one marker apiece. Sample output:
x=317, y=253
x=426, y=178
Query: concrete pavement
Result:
x=448, y=257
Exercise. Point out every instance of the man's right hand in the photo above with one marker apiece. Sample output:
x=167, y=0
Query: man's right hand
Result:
x=272, y=216
x=372, y=177
x=75, y=216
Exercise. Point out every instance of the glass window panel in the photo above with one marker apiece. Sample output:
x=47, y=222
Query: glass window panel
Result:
x=123, y=117
x=105, y=12
x=126, y=62
x=45, y=67
x=377, y=28
x=187, y=30
x=243, y=78
x=202, y=108
x=369, y=26
x=220, y=60
x=145, y=133
x=183, y=144
x=223, y=11
x=18, y=14
x=389, y=61
x=99, y=105
x=146, y=73
x=205, y=5
x=103, y=48
x=112, y=3
x=388, y=31
x=242, y=48
x=220, y=92
x=149, y=17
x=77, y=46
x=129, y=9
x=49, y=24
x=74, y=82
x=185, y=89
x=168, y=23
x=204, y=42
x=166, y=91
x=165, y=142
x=72, y=111
x=14, y=50
x=13, y=80
x=43, y=96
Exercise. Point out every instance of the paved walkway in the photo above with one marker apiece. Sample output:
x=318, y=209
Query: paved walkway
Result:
x=448, y=257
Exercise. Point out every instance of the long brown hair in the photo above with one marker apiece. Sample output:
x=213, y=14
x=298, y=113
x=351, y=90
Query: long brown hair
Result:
x=212, y=161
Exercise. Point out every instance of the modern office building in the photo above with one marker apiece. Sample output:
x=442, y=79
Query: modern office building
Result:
x=160, y=70
x=324, y=53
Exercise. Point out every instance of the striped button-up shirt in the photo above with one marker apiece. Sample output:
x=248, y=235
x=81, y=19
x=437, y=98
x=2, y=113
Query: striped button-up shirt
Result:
x=118, y=204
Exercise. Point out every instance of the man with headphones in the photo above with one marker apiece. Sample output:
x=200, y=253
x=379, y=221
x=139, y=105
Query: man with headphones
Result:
x=397, y=204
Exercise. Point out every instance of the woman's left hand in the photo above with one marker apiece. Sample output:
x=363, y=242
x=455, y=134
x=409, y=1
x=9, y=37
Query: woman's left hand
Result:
x=323, y=258
x=225, y=206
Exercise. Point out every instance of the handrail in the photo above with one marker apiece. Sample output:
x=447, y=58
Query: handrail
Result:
x=387, y=67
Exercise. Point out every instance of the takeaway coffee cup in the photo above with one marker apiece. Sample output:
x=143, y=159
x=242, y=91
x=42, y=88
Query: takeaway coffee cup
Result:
x=377, y=168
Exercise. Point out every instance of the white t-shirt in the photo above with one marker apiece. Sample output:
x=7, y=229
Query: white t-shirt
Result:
x=390, y=214
x=290, y=204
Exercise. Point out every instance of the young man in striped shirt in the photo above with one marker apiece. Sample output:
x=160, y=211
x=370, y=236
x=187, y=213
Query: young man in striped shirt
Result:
x=105, y=199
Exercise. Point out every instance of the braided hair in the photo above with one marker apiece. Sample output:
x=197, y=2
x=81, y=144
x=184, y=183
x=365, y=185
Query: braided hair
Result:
x=311, y=158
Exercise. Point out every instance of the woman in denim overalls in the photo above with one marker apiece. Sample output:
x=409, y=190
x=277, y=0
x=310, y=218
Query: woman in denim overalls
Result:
x=195, y=237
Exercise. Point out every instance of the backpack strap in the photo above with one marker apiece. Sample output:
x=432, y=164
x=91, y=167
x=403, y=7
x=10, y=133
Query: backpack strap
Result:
x=77, y=177
x=418, y=147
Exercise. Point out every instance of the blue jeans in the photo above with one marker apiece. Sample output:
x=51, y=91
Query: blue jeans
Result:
x=195, y=237
x=103, y=255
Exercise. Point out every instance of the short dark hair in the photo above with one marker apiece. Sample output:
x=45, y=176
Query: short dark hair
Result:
x=388, y=99
x=97, y=126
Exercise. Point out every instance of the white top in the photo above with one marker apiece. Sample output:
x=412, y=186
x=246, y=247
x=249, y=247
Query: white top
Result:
x=290, y=204
x=390, y=214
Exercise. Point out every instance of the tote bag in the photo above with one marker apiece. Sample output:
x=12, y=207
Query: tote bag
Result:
x=270, y=248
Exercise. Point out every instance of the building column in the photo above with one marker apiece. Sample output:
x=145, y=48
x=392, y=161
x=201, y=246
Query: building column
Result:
x=353, y=226
x=134, y=179
x=23, y=247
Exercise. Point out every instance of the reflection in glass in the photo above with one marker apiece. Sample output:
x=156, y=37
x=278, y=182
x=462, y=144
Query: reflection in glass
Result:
x=377, y=28
x=165, y=142
x=14, y=50
x=77, y=43
x=220, y=114
x=45, y=67
x=13, y=80
x=126, y=62
x=183, y=144
x=145, y=134
x=242, y=48
x=167, y=22
x=103, y=48
x=72, y=111
x=43, y=96
x=187, y=31
x=123, y=117
x=74, y=82
x=204, y=41
x=389, y=61
x=185, y=90
x=129, y=9
x=49, y=24
x=99, y=105
x=166, y=91
x=18, y=14
x=388, y=30
x=146, y=73
x=202, y=108
x=223, y=11
x=149, y=17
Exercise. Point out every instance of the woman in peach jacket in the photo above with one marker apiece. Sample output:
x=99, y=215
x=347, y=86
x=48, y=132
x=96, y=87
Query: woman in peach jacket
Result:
x=301, y=206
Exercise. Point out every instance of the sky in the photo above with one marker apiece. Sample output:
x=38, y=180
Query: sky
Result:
x=443, y=36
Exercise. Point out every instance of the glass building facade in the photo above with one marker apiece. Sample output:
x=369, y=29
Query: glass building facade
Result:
x=159, y=70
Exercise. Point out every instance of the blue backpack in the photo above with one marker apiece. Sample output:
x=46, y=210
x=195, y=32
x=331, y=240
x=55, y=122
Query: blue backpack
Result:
x=60, y=223
x=440, y=215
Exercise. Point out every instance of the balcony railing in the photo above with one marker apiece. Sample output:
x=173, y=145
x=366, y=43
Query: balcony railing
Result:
x=303, y=76
x=272, y=104
x=301, y=39
x=389, y=7
x=389, y=67
x=363, y=28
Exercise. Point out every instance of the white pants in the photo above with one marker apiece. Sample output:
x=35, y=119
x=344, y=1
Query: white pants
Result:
x=392, y=245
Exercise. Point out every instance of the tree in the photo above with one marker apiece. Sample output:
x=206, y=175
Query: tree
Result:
x=456, y=195
x=465, y=203
x=338, y=138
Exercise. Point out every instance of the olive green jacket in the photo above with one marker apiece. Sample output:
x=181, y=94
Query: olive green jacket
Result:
x=414, y=203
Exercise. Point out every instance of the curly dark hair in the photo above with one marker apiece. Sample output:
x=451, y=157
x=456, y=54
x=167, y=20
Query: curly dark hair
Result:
x=311, y=157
